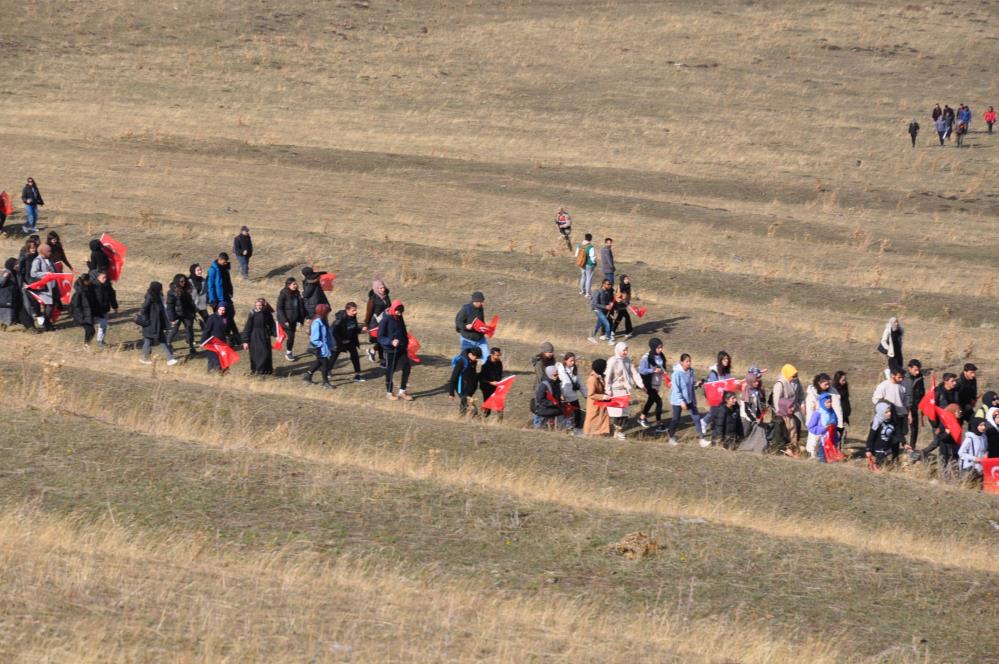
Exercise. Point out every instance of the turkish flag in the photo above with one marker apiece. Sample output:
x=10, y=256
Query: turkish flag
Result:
x=928, y=405
x=413, y=348
x=63, y=280
x=614, y=402
x=281, y=336
x=497, y=400
x=990, y=475
x=716, y=389
x=116, y=253
x=227, y=356
x=936, y=414
x=829, y=448
x=950, y=422
x=488, y=329
x=326, y=281
x=8, y=208
x=638, y=311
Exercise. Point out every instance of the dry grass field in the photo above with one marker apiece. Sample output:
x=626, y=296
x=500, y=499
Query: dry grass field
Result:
x=750, y=161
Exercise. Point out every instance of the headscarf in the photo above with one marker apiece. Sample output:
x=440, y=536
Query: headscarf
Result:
x=619, y=348
x=881, y=415
x=551, y=372
x=654, y=343
x=828, y=414
x=155, y=288
x=599, y=366
x=989, y=417
x=397, y=308
x=788, y=371
x=375, y=284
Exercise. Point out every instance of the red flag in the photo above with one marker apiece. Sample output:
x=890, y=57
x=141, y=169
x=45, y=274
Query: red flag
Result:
x=567, y=408
x=414, y=348
x=614, y=402
x=227, y=356
x=326, y=281
x=950, y=422
x=63, y=279
x=638, y=311
x=829, y=448
x=716, y=389
x=8, y=208
x=497, y=400
x=281, y=336
x=55, y=312
x=488, y=329
x=116, y=253
x=928, y=404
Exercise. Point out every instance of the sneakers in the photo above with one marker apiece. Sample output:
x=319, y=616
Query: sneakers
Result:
x=371, y=355
x=620, y=435
x=704, y=442
x=404, y=396
x=611, y=341
x=172, y=361
x=145, y=360
x=644, y=423
x=602, y=337
x=591, y=340
x=358, y=379
x=288, y=355
x=673, y=441
x=661, y=428
x=307, y=377
x=328, y=386
x=391, y=397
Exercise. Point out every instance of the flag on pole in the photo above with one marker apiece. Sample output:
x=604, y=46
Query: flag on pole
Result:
x=638, y=311
x=488, y=329
x=716, y=389
x=413, y=348
x=281, y=336
x=497, y=400
x=326, y=281
x=614, y=402
x=116, y=253
x=227, y=356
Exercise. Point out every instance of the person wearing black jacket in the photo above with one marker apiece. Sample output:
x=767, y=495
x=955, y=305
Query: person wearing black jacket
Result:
x=154, y=323
x=58, y=251
x=221, y=326
x=242, y=247
x=107, y=301
x=464, y=325
x=727, y=430
x=914, y=391
x=346, y=329
x=548, y=400
x=394, y=339
x=967, y=391
x=99, y=261
x=378, y=302
x=490, y=375
x=257, y=335
x=944, y=395
x=312, y=291
x=83, y=306
x=32, y=199
x=181, y=310
x=290, y=314
x=10, y=294
x=465, y=380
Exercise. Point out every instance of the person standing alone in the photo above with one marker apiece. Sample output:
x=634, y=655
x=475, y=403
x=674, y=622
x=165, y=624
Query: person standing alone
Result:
x=242, y=246
x=990, y=118
x=586, y=261
x=913, y=131
x=32, y=199
x=607, y=259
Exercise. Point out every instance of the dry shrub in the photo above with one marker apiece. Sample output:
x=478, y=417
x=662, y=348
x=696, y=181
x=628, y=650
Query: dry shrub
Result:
x=634, y=546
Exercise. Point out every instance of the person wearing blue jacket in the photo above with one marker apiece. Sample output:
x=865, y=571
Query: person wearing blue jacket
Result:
x=394, y=340
x=820, y=421
x=683, y=396
x=322, y=342
x=220, y=283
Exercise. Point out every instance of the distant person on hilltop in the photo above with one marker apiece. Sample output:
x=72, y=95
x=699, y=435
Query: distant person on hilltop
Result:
x=962, y=131
x=948, y=117
x=607, y=259
x=936, y=113
x=913, y=131
x=940, y=126
x=378, y=303
x=586, y=261
x=242, y=246
x=990, y=118
x=564, y=224
x=32, y=199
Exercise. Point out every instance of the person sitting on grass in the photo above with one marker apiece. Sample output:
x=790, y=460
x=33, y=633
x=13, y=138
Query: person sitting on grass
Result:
x=727, y=430
x=465, y=380
x=883, y=437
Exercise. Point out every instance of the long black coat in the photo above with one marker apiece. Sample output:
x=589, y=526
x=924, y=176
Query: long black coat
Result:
x=257, y=332
x=83, y=306
x=180, y=305
x=290, y=308
x=221, y=327
x=155, y=312
x=314, y=295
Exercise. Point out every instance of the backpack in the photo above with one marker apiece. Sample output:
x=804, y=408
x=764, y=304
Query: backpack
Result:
x=581, y=254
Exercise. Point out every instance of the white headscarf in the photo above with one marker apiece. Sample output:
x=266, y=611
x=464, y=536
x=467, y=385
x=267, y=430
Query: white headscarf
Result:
x=886, y=341
x=990, y=415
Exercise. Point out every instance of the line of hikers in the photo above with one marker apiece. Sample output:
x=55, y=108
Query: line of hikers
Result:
x=948, y=123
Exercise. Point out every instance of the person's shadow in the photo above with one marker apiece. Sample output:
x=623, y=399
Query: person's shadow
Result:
x=663, y=326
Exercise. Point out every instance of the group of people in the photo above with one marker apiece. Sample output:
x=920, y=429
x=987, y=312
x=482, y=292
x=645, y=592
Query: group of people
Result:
x=948, y=123
x=792, y=419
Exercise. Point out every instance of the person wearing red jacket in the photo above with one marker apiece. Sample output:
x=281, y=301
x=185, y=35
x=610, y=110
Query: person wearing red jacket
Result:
x=990, y=118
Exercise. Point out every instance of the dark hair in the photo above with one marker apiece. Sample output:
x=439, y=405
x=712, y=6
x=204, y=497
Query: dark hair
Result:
x=685, y=356
x=223, y=255
x=718, y=365
x=948, y=376
x=52, y=236
x=476, y=351
x=897, y=371
x=85, y=278
x=844, y=389
x=350, y=305
x=728, y=395
x=568, y=355
x=916, y=363
x=495, y=349
x=819, y=378
x=970, y=367
x=605, y=282
x=607, y=239
x=588, y=237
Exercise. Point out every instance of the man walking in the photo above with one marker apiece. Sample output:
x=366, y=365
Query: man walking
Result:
x=913, y=131
x=32, y=199
x=607, y=259
x=242, y=246
x=464, y=325
x=586, y=261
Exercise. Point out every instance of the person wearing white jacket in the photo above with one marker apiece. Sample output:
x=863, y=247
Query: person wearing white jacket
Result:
x=621, y=378
x=821, y=383
x=573, y=391
x=974, y=447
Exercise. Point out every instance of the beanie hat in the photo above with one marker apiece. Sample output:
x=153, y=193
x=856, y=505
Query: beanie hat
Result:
x=547, y=347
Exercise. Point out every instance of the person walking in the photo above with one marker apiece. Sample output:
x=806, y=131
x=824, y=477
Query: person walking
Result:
x=597, y=422
x=602, y=306
x=10, y=294
x=181, y=310
x=220, y=283
x=788, y=402
x=948, y=118
x=821, y=384
x=242, y=247
x=99, y=261
x=312, y=290
x=572, y=391
x=543, y=360
x=607, y=259
x=586, y=261
x=83, y=307
x=990, y=118
x=940, y=127
x=913, y=131
x=621, y=379
x=967, y=391
x=32, y=199
x=937, y=112
x=322, y=343
x=622, y=304
x=974, y=448
x=915, y=390
x=548, y=401
x=378, y=303
x=944, y=397
x=652, y=369
x=964, y=116
x=48, y=295
x=490, y=376
x=257, y=333
x=465, y=380
x=464, y=325
x=962, y=131
x=394, y=339
x=891, y=345
x=107, y=303
x=154, y=323
x=58, y=251
x=290, y=314
x=563, y=222
x=720, y=370
x=345, y=330
x=683, y=396
x=221, y=326
x=198, y=285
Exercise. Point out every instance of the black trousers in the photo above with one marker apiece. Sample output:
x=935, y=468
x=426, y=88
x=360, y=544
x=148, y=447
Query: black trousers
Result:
x=188, y=324
x=622, y=314
x=88, y=332
x=914, y=427
x=289, y=343
x=321, y=364
x=654, y=399
x=397, y=359
x=354, y=358
x=913, y=136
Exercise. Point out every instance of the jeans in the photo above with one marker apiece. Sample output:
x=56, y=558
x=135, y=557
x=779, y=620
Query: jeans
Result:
x=244, y=266
x=466, y=344
x=102, y=329
x=147, y=345
x=585, y=279
x=609, y=276
x=32, y=211
x=603, y=322
x=694, y=415
x=396, y=358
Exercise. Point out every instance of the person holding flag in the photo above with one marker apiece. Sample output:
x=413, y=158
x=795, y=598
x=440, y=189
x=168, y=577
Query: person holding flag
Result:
x=323, y=344
x=822, y=424
x=572, y=390
x=394, y=340
x=290, y=314
x=490, y=376
x=720, y=370
x=153, y=320
x=727, y=430
x=652, y=368
x=465, y=380
x=597, y=421
x=548, y=401
x=99, y=261
x=378, y=302
x=257, y=333
x=939, y=398
x=466, y=326
x=219, y=327
x=622, y=378
x=47, y=296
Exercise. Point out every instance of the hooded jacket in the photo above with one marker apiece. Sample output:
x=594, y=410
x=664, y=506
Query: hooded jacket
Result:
x=682, y=390
x=543, y=406
x=180, y=304
x=312, y=291
x=99, y=261
x=393, y=327
x=155, y=312
x=107, y=298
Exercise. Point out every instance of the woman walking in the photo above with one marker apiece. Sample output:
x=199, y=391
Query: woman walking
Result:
x=597, y=421
x=652, y=368
x=290, y=314
x=257, y=335
x=199, y=292
x=58, y=251
x=84, y=307
x=221, y=326
x=378, y=303
x=322, y=341
x=622, y=378
x=891, y=345
x=181, y=310
x=154, y=323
